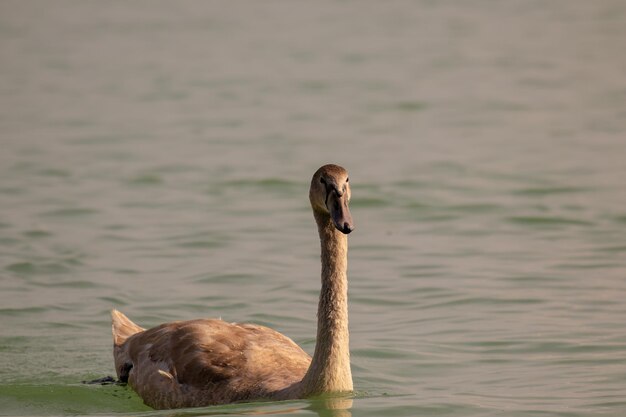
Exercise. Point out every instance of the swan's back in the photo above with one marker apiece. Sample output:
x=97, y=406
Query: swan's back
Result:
x=204, y=362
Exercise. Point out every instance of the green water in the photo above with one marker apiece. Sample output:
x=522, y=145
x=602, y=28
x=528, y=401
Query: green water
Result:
x=155, y=157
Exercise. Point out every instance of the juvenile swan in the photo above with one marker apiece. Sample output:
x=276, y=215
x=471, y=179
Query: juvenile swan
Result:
x=208, y=361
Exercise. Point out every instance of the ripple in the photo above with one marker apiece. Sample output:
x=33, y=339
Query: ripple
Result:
x=36, y=233
x=272, y=320
x=70, y=284
x=411, y=106
x=114, y=301
x=22, y=311
x=55, y=172
x=13, y=343
x=372, y=301
x=223, y=278
x=30, y=268
x=612, y=249
x=483, y=301
x=620, y=219
x=70, y=212
x=547, y=221
x=366, y=202
x=271, y=184
x=475, y=208
x=534, y=279
x=542, y=191
x=592, y=265
x=146, y=180
x=202, y=244
x=9, y=241
x=198, y=240
x=382, y=353
x=61, y=325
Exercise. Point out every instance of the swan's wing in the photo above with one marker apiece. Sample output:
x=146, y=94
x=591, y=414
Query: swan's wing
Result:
x=202, y=362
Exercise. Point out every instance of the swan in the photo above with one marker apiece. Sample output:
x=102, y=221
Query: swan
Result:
x=209, y=361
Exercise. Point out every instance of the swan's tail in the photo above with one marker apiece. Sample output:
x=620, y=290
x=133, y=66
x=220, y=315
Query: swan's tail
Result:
x=122, y=328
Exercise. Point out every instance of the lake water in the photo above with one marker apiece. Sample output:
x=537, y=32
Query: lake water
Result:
x=155, y=157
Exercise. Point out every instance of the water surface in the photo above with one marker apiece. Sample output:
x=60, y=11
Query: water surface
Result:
x=156, y=158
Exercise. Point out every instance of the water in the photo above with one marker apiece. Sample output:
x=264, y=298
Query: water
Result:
x=155, y=157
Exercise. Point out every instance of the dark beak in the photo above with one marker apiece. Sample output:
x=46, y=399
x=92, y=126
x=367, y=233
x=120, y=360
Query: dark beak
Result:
x=339, y=212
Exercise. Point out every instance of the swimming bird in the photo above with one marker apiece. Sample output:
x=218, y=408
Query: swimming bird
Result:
x=209, y=361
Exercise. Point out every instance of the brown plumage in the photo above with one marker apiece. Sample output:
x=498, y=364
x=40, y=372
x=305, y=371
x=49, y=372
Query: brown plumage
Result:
x=208, y=361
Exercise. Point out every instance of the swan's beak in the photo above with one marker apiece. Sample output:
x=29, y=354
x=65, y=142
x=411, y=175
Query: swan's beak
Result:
x=339, y=212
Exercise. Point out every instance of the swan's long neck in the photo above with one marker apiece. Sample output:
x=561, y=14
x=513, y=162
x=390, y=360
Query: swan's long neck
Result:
x=330, y=367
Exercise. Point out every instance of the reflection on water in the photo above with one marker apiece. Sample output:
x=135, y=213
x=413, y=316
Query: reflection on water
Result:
x=332, y=406
x=155, y=157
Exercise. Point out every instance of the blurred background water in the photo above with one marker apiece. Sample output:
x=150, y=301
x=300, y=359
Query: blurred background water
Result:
x=155, y=157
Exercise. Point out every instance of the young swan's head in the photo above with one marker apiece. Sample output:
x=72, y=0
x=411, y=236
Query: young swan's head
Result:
x=330, y=195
